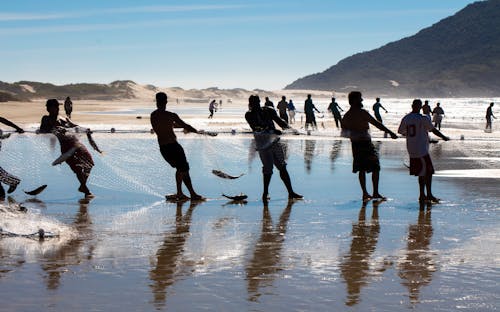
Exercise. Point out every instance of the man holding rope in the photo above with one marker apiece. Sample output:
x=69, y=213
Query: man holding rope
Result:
x=163, y=123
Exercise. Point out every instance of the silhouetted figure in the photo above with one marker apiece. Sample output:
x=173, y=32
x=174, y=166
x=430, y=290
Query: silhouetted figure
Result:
x=334, y=109
x=309, y=109
x=426, y=109
x=415, y=127
x=355, y=125
x=268, y=102
x=291, y=111
x=376, y=110
x=68, y=107
x=212, y=107
x=80, y=161
x=5, y=177
x=355, y=266
x=489, y=115
x=166, y=270
x=418, y=265
x=265, y=264
x=271, y=151
x=437, y=115
x=163, y=123
x=282, y=108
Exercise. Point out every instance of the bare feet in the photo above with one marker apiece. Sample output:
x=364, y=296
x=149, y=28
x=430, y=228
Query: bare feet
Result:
x=378, y=196
x=265, y=198
x=196, y=197
x=366, y=197
x=294, y=195
x=433, y=199
x=176, y=197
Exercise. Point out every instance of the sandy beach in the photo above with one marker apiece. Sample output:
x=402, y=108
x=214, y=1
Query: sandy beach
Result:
x=129, y=249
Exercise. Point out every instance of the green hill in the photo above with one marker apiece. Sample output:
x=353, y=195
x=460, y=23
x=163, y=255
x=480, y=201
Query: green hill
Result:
x=456, y=57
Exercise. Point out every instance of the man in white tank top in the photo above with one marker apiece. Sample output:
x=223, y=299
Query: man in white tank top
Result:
x=415, y=127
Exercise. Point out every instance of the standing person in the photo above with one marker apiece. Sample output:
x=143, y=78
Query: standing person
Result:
x=211, y=109
x=282, y=108
x=415, y=128
x=376, y=110
x=437, y=115
x=355, y=125
x=291, y=111
x=269, y=102
x=334, y=108
x=309, y=109
x=163, y=123
x=5, y=177
x=68, y=107
x=489, y=115
x=271, y=151
x=80, y=161
x=426, y=109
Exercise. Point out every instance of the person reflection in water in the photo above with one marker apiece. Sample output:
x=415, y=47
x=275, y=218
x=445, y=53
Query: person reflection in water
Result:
x=309, y=154
x=266, y=261
x=355, y=266
x=74, y=252
x=165, y=271
x=417, y=266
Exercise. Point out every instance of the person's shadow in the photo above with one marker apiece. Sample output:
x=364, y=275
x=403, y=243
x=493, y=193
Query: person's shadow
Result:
x=417, y=266
x=355, y=267
x=166, y=269
x=72, y=252
x=266, y=260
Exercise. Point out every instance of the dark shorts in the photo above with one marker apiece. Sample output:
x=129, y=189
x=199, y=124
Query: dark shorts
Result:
x=173, y=153
x=365, y=156
x=275, y=154
x=81, y=162
x=421, y=166
x=310, y=118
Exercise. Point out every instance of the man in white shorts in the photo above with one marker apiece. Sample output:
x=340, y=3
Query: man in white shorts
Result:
x=415, y=127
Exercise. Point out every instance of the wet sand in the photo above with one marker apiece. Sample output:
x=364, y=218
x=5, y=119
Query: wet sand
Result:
x=128, y=248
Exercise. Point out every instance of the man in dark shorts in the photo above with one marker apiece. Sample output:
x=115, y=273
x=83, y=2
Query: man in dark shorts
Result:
x=163, y=123
x=355, y=125
x=415, y=127
x=80, y=161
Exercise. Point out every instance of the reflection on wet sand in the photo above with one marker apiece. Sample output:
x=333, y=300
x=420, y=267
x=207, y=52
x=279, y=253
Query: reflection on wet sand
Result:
x=417, y=266
x=334, y=153
x=355, y=266
x=167, y=267
x=309, y=154
x=266, y=261
x=71, y=253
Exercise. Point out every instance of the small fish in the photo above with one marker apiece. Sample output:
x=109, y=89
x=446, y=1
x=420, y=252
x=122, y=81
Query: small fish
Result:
x=223, y=175
x=36, y=191
x=237, y=197
x=92, y=142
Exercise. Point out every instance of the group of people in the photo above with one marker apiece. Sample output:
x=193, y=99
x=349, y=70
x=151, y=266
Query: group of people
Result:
x=415, y=126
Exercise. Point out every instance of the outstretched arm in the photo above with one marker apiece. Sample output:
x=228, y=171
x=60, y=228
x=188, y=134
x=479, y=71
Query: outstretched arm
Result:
x=381, y=126
x=439, y=134
x=179, y=123
x=11, y=124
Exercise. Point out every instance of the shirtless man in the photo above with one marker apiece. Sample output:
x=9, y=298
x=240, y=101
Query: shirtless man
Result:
x=355, y=125
x=80, y=161
x=163, y=123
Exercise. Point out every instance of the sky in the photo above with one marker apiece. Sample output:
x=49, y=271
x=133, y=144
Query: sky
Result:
x=199, y=44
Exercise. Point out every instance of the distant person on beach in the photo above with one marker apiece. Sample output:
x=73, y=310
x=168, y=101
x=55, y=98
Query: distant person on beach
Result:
x=80, y=161
x=489, y=115
x=282, y=108
x=426, y=109
x=291, y=111
x=334, y=109
x=5, y=177
x=437, y=115
x=376, y=110
x=163, y=123
x=271, y=151
x=355, y=125
x=212, y=107
x=415, y=127
x=268, y=102
x=68, y=107
x=309, y=109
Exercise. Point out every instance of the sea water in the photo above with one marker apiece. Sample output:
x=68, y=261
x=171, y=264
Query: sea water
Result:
x=129, y=249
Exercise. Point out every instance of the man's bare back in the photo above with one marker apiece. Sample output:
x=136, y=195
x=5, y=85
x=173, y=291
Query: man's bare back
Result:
x=163, y=123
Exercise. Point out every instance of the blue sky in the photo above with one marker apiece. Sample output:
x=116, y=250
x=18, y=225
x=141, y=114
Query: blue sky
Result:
x=199, y=44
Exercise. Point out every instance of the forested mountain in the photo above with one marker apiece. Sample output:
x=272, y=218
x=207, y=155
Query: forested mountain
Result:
x=457, y=57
